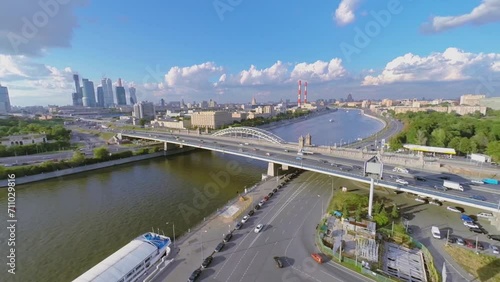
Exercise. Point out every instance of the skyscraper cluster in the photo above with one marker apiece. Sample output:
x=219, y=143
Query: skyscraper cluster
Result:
x=4, y=100
x=103, y=96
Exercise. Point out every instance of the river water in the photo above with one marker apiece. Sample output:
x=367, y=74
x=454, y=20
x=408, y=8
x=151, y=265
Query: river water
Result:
x=67, y=225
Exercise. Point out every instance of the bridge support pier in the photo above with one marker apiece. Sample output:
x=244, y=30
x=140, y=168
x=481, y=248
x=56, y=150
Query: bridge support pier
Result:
x=168, y=146
x=272, y=169
x=370, y=200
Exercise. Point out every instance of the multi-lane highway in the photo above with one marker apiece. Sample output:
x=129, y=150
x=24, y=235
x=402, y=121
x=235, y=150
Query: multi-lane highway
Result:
x=286, y=155
x=290, y=217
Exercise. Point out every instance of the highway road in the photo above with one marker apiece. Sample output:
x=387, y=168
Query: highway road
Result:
x=341, y=167
x=394, y=127
x=290, y=218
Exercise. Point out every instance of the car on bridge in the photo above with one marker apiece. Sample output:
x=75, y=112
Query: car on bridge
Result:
x=402, y=181
x=298, y=158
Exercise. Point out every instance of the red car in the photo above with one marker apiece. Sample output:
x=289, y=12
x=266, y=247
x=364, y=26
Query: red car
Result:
x=470, y=244
x=266, y=198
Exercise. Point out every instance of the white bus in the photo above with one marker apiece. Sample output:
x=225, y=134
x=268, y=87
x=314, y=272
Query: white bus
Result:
x=436, y=233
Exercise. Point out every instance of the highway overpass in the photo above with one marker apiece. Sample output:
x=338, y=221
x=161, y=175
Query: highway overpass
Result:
x=263, y=146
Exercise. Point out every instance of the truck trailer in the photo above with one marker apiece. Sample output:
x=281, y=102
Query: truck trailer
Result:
x=490, y=181
x=453, y=185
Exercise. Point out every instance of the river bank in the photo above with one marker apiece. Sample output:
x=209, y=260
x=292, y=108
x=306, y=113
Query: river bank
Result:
x=271, y=126
x=64, y=172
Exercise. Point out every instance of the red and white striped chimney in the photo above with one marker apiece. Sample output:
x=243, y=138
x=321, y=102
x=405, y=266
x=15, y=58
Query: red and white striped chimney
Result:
x=298, y=99
x=305, y=93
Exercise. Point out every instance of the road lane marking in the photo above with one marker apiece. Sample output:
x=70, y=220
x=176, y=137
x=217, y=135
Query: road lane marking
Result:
x=267, y=239
x=336, y=278
x=248, y=267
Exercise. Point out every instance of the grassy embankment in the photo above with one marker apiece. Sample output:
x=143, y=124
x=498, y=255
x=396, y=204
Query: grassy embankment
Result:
x=484, y=267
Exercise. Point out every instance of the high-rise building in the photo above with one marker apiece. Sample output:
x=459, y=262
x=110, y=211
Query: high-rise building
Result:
x=133, y=98
x=77, y=95
x=107, y=88
x=100, y=96
x=88, y=93
x=4, y=100
x=121, y=98
x=254, y=102
x=162, y=102
x=144, y=110
x=349, y=98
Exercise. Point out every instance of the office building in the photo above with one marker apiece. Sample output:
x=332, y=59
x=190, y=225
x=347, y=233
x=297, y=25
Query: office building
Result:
x=121, y=98
x=144, y=110
x=107, y=88
x=88, y=93
x=211, y=119
x=4, y=100
x=100, y=96
x=77, y=96
x=471, y=100
x=133, y=98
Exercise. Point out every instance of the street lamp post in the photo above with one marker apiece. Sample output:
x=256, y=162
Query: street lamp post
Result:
x=201, y=235
x=173, y=230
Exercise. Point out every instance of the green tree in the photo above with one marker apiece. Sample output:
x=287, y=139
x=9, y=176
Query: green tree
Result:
x=493, y=150
x=381, y=218
x=438, y=137
x=101, y=153
x=395, y=212
x=345, y=211
x=359, y=212
x=78, y=157
x=464, y=145
x=421, y=137
x=377, y=206
x=142, y=122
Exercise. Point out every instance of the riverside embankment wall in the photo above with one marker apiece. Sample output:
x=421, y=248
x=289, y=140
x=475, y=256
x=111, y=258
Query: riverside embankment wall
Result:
x=60, y=173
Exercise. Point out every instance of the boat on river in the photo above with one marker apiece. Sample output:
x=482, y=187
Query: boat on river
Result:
x=131, y=262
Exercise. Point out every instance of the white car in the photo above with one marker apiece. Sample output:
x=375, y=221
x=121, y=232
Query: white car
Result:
x=485, y=215
x=453, y=209
x=402, y=181
x=261, y=203
x=258, y=228
x=422, y=200
x=494, y=249
x=470, y=224
x=245, y=219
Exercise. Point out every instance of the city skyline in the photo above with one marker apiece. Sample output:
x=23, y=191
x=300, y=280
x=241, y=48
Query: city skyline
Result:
x=367, y=49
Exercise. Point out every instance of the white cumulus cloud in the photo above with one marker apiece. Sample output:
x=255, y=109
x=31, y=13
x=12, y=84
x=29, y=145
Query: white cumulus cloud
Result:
x=451, y=65
x=344, y=14
x=319, y=71
x=487, y=12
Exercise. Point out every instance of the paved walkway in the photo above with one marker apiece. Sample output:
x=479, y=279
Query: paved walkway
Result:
x=191, y=249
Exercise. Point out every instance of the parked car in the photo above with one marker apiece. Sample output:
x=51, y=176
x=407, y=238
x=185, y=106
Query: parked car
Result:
x=194, y=275
x=257, y=207
x=471, y=224
x=207, y=262
x=270, y=194
x=219, y=247
x=421, y=200
x=250, y=213
x=258, y=228
x=453, y=209
x=452, y=240
x=485, y=215
x=478, y=230
x=494, y=249
x=460, y=242
x=436, y=203
x=228, y=237
x=275, y=190
x=245, y=219
x=279, y=264
x=494, y=237
x=238, y=226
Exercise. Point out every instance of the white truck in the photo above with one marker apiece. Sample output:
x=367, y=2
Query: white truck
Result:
x=453, y=185
x=480, y=158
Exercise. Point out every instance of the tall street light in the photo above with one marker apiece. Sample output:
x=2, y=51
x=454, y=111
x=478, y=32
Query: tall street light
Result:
x=173, y=230
x=201, y=235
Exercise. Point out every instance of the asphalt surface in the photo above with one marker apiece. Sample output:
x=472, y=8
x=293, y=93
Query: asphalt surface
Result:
x=341, y=166
x=290, y=218
x=393, y=128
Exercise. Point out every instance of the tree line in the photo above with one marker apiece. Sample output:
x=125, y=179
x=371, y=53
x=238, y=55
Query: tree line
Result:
x=100, y=155
x=473, y=133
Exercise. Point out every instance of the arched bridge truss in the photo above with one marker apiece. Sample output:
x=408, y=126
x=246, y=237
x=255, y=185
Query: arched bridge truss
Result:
x=250, y=132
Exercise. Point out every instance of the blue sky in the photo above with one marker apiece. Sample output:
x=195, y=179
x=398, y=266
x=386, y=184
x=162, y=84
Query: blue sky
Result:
x=200, y=50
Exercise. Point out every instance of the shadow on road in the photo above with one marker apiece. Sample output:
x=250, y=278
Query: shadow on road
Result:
x=288, y=261
x=206, y=273
x=217, y=260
